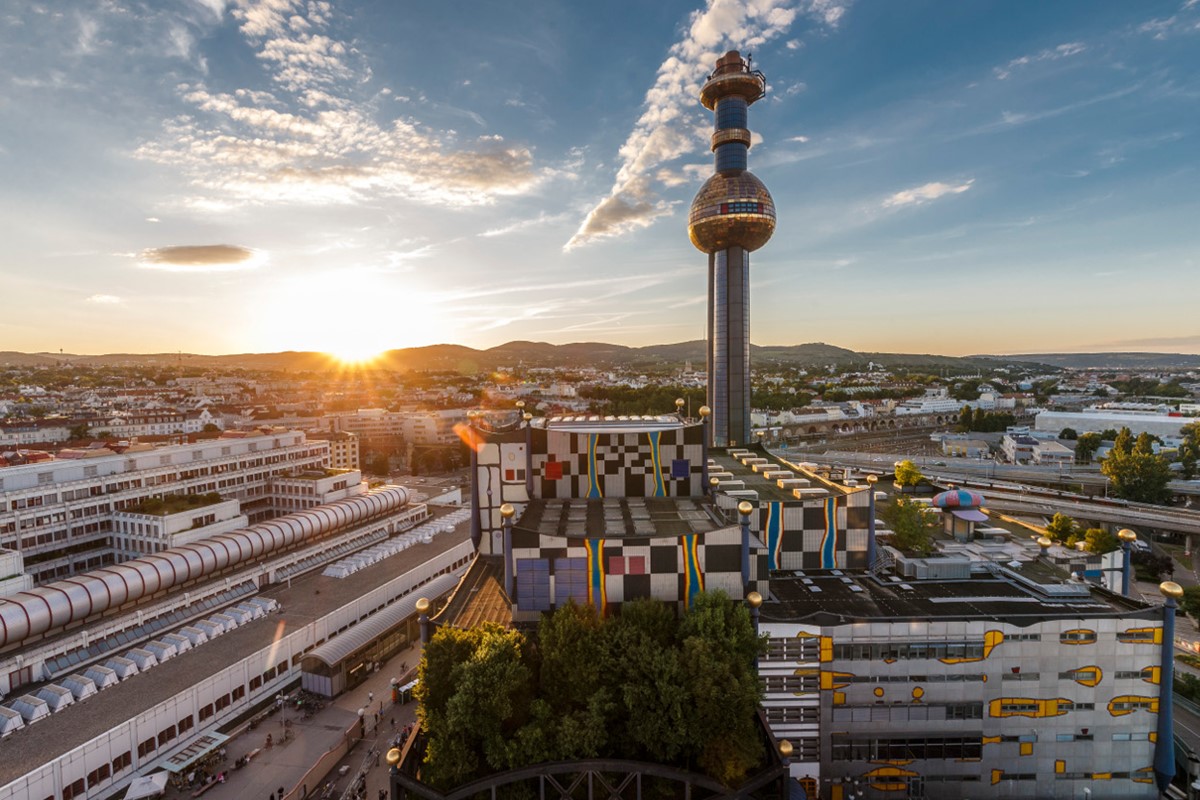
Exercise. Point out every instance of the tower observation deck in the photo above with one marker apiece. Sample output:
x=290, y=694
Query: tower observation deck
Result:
x=732, y=215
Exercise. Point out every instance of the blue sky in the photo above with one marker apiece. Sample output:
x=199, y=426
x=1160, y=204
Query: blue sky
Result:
x=214, y=176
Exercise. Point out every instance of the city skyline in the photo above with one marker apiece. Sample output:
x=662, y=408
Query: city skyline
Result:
x=249, y=176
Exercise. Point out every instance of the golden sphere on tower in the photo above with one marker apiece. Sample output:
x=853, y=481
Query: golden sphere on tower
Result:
x=423, y=605
x=1126, y=535
x=745, y=507
x=507, y=511
x=785, y=748
x=1171, y=589
x=527, y=416
x=714, y=481
x=872, y=479
x=679, y=403
x=754, y=599
x=393, y=756
x=1044, y=542
x=520, y=404
x=704, y=411
x=731, y=210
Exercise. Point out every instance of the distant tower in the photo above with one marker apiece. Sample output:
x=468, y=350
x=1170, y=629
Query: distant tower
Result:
x=733, y=214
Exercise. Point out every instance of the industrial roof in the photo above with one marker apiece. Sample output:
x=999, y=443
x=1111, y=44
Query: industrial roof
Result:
x=340, y=647
x=618, y=517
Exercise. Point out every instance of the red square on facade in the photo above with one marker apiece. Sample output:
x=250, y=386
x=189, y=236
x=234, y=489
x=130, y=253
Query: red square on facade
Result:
x=510, y=474
x=616, y=565
x=635, y=565
x=553, y=470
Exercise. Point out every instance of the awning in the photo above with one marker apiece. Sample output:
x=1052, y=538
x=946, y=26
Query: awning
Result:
x=375, y=626
x=970, y=514
x=195, y=751
x=147, y=786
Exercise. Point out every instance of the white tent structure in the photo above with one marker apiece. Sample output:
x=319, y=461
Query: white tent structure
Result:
x=162, y=650
x=152, y=785
x=80, y=686
x=124, y=667
x=10, y=721
x=56, y=697
x=181, y=642
x=194, y=635
x=30, y=708
x=101, y=676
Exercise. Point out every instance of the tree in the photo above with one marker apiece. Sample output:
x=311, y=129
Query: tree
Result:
x=966, y=418
x=1086, y=446
x=1100, y=541
x=1136, y=473
x=1190, y=602
x=1189, y=450
x=1150, y=567
x=1060, y=527
x=79, y=431
x=1068, y=434
x=912, y=527
x=211, y=427
x=907, y=474
x=1144, y=443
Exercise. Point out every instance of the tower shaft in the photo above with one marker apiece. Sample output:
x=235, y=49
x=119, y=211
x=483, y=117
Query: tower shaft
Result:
x=732, y=215
x=729, y=345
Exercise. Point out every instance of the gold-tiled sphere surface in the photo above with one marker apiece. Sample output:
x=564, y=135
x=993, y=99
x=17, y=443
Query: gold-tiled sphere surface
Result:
x=731, y=210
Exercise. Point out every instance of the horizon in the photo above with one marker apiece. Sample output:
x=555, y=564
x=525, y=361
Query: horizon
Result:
x=366, y=362
x=219, y=177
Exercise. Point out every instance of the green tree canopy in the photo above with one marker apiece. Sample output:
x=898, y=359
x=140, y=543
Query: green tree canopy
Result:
x=1068, y=434
x=1136, y=473
x=1099, y=541
x=1086, y=446
x=1060, y=528
x=907, y=473
x=641, y=685
x=911, y=524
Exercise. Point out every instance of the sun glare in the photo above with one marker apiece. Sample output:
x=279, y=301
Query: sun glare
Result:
x=353, y=315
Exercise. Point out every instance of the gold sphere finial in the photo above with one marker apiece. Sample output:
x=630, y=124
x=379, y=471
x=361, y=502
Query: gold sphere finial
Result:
x=1171, y=589
x=679, y=403
x=714, y=481
x=423, y=605
x=393, y=756
x=745, y=507
x=1044, y=542
x=1126, y=535
x=527, y=416
x=785, y=749
x=507, y=511
x=704, y=411
x=754, y=599
x=520, y=404
x=872, y=479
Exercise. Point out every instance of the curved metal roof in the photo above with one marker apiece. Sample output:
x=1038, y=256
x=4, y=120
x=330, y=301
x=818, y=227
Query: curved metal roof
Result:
x=359, y=636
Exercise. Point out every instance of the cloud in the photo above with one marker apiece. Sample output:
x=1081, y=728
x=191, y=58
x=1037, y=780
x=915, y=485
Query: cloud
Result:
x=524, y=224
x=925, y=193
x=670, y=116
x=1065, y=50
x=310, y=140
x=103, y=299
x=199, y=258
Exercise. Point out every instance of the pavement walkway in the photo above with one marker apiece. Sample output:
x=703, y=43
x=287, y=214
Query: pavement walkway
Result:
x=286, y=763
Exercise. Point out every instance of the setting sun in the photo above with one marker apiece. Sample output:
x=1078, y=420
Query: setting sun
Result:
x=353, y=315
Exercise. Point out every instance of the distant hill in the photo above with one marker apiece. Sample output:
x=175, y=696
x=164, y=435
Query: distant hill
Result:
x=457, y=358
x=1114, y=361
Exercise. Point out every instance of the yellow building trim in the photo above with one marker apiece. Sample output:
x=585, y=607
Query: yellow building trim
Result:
x=997, y=775
x=1142, y=702
x=1026, y=748
x=1033, y=707
x=1060, y=766
x=1141, y=636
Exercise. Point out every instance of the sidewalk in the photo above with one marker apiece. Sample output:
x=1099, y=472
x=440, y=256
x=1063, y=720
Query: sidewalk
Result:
x=288, y=761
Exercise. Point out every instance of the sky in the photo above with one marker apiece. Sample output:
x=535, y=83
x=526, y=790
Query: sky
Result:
x=226, y=176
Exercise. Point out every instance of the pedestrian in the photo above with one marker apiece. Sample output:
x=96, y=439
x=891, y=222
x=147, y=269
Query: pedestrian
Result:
x=393, y=723
x=280, y=793
x=272, y=796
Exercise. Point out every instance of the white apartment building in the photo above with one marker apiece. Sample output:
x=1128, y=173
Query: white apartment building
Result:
x=59, y=514
x=415, y=427
x=1099, y=419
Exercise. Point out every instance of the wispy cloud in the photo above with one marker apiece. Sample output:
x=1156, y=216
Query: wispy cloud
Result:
x=525, y=224
x=1065, y=50
x=925, y=193
x=312, y=140
x=666, y=128
x=200, y=258
x=103, y=299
